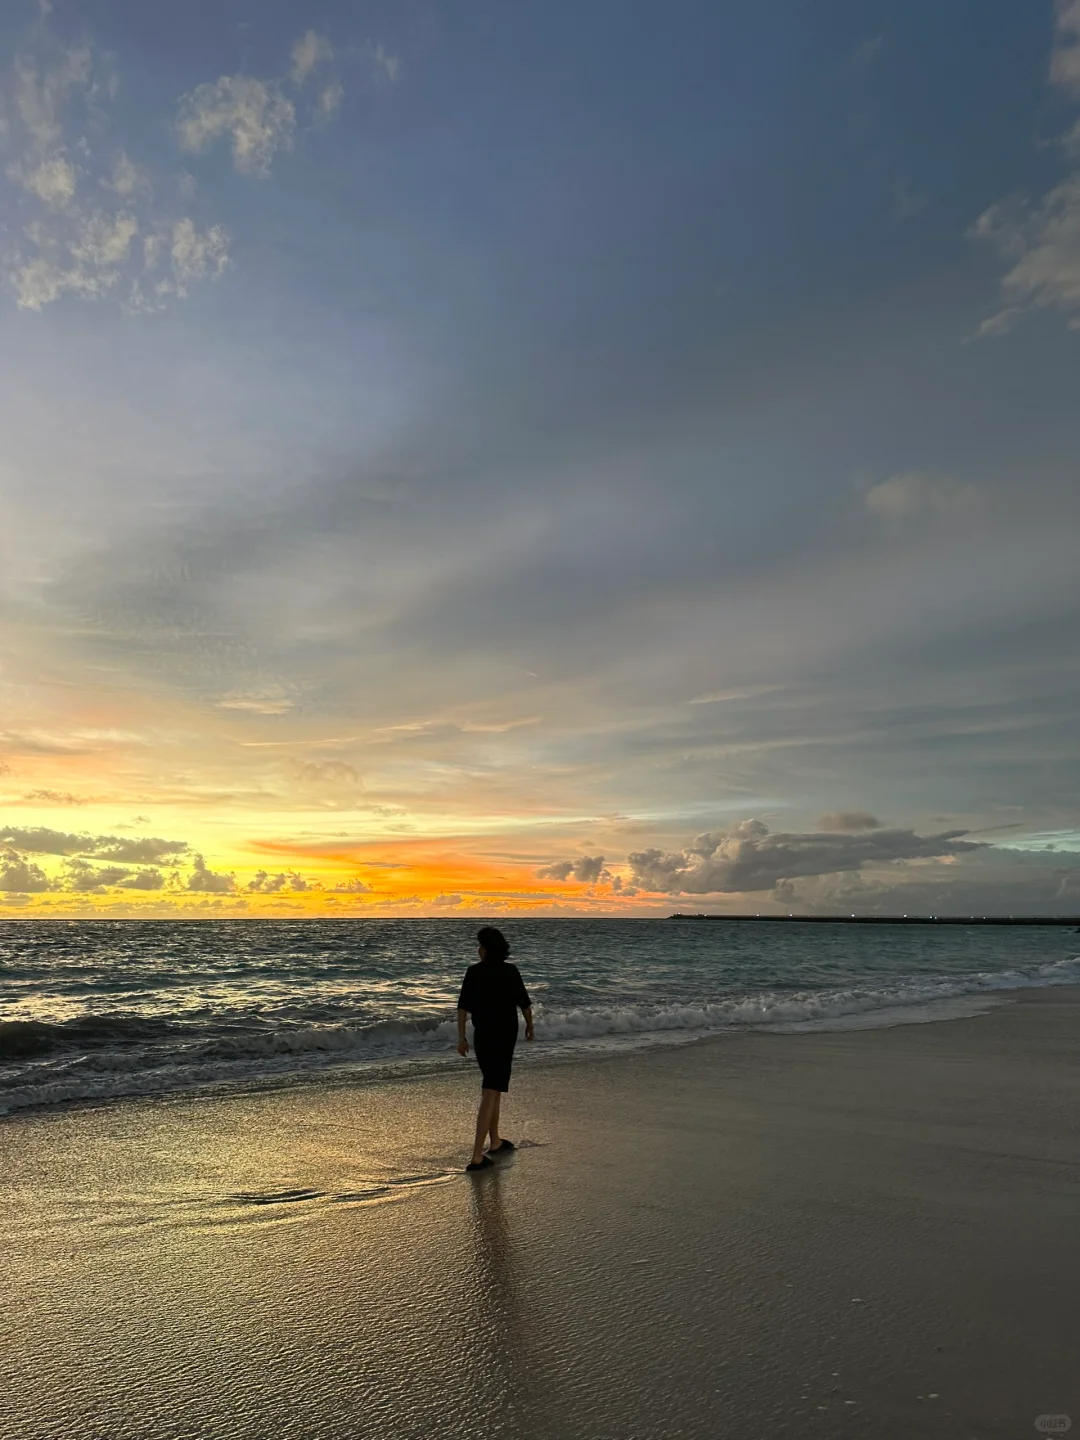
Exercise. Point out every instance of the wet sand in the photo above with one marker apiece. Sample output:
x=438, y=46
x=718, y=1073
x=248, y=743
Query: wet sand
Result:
x=863, y=1234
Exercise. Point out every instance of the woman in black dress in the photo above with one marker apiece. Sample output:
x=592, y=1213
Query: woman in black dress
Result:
x=492, y=993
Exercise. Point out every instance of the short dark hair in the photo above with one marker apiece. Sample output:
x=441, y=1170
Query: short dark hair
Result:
x=496, y=946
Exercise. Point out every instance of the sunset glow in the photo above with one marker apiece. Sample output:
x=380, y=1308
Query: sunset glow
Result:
x=419, y=497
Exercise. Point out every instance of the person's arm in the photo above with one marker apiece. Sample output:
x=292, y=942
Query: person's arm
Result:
x=524, y=1004
x=462, y=1043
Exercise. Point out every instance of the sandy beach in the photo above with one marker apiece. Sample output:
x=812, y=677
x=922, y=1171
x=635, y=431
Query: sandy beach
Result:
x=860, y=1234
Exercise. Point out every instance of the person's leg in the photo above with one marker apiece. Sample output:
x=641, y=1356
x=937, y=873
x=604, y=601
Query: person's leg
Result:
x=488, y=1098
x=493, y=1124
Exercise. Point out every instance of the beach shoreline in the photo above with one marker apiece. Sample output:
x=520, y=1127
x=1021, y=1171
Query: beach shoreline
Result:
x=835, y=1233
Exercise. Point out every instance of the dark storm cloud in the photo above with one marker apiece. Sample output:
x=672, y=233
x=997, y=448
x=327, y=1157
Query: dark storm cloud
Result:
x=750, y=858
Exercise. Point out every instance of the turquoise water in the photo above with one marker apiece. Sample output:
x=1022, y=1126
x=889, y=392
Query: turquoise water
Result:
x=96, y=1010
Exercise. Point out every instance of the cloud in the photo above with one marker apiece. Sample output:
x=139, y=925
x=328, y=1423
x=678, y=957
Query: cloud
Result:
x=265, y=884
x=329, y=102
x=85, y=879
x=40, y=840
x=309, y=51
x=254, y=115
x=196, y=255
x=845, y=820
x=149, y=850
x=126, y=177
x=42, y=92
x=587, y=869
x=19, y=876
x=52, y=797
x=384, y=62
x=52, y=181
x=868, y=49
x=1041, y=240
x=750, y=858
x=271, y=700
x=351, y=887
x=204, y=879
x=905, y=498
x=67, y=238
x=144, y=880
x=741, y=692
x=326, y=772
x=1065, y=56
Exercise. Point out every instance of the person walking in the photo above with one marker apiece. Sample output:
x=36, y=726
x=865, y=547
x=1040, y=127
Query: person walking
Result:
x=492, y=993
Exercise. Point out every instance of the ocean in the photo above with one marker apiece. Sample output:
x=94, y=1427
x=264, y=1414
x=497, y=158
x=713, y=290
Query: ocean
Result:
x=94, y=1010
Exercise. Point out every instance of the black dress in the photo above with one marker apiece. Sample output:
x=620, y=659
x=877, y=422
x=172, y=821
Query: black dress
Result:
x=492, y=992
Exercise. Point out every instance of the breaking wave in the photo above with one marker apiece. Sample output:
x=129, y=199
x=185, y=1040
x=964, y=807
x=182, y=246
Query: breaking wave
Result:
x=105, y=1056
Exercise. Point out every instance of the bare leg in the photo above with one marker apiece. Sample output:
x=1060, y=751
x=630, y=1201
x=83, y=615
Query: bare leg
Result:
x=488, y=1098
x=493, y=1124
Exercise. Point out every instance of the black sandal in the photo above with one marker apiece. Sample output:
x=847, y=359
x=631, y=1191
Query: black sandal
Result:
x=480, y=1164
x=503, y=1145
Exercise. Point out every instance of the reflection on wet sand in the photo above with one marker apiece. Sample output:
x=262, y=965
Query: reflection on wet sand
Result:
x=497, y=1286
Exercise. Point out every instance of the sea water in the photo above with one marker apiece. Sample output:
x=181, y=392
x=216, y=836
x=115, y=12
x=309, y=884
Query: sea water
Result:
x=92, y=1010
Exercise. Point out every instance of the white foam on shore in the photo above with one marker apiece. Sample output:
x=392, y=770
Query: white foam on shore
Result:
x=273, y=1058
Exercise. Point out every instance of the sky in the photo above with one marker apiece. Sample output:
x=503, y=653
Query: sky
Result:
x=605, y=458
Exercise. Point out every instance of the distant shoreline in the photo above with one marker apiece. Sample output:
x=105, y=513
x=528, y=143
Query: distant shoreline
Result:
x=1061, y=920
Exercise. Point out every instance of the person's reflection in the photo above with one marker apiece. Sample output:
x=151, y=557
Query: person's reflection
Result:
x=499, y=1291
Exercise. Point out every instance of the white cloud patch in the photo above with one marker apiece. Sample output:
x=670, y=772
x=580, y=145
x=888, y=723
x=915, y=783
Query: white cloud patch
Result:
x=62, y=163
x=44, y=89
x=254, y=115
x=197, y=255
x=329, y=102
x=52, y=180
x=384, y=63
x=125, y=178
x=257, y=118
x=66, y=237
x=750, y=858
x=903, y=499
x=1041, y=239
x=310, y=51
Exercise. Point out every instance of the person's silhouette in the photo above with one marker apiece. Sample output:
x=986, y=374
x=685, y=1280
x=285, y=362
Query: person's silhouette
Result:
x=492, y=993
